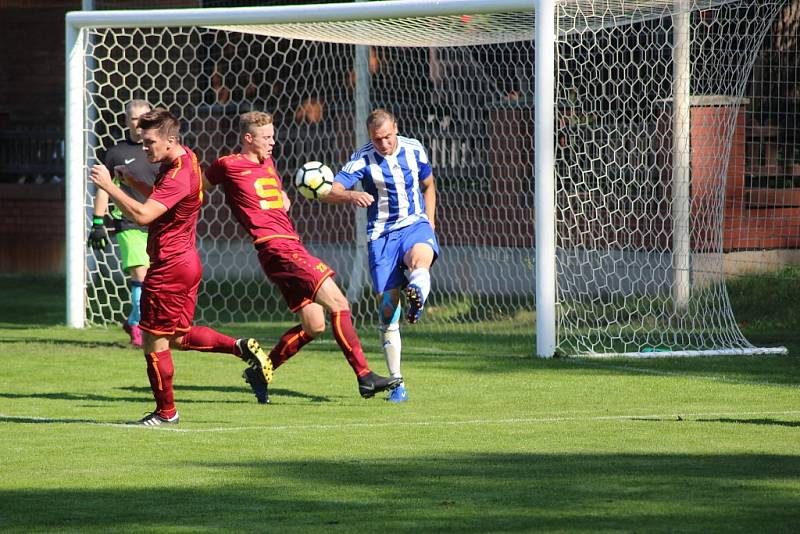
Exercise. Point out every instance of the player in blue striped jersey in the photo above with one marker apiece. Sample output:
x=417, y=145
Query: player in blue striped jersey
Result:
x=400, y=197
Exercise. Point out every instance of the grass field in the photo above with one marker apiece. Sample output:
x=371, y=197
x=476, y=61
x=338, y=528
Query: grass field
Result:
x=491, y=440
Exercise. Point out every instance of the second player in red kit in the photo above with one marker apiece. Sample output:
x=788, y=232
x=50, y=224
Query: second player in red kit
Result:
x=255, y=195
x=170, y=288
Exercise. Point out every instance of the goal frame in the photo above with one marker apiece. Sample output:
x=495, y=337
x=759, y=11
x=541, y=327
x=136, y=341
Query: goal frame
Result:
x=544, y=158
x=544, y=141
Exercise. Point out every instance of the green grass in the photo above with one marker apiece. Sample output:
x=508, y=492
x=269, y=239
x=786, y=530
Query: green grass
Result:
x=492, y=440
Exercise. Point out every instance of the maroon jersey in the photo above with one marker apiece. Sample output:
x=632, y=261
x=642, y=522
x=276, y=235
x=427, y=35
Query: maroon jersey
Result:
x=178, y=186
x=255, y=195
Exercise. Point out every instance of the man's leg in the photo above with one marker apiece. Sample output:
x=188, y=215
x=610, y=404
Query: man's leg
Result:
x=418, y=260
x=160, y=371
x=205, y=339
x=332, y=299
x=134, y=259
x=391, y=341
x=312, y=325
x=131, y=325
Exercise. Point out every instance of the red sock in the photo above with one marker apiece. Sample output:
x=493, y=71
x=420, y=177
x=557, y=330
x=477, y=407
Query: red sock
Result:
x=348, y=341
x=206, y=339
x=290, y=344
x=160, y=371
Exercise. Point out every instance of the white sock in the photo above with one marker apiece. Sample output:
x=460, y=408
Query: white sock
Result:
x=421, y=277
x=390, y=337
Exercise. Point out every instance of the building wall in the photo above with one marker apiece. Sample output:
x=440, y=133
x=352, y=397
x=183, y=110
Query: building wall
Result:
x=31, y=228
x=32, y=62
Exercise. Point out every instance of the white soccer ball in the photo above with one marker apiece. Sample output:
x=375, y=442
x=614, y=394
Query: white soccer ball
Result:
x=313, y=180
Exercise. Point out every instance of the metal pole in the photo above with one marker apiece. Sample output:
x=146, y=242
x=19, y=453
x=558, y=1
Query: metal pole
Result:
x=544, y=164
x=681, y=162
x=74, y=182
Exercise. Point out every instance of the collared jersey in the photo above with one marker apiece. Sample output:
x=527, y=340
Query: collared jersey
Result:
x=255, y=195
x=394, y=182
x=141, y=178
x=179, y=187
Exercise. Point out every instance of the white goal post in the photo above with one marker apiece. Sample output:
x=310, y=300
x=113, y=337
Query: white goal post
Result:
x=625, y=112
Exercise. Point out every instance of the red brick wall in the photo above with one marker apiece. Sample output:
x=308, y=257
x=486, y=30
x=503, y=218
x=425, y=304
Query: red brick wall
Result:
x=31, y=228
x=32, y=62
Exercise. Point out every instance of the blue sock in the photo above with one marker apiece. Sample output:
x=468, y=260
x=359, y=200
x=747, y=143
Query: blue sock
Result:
x=136, y=297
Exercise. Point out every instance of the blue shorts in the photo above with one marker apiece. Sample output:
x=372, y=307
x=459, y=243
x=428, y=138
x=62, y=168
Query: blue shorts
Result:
x=386, y=254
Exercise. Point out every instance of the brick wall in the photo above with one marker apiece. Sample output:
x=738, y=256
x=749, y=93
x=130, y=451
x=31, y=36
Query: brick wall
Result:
x=32, y=62
x=31, y=228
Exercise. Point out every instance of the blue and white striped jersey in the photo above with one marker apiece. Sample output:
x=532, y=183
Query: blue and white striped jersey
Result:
x=394, y=182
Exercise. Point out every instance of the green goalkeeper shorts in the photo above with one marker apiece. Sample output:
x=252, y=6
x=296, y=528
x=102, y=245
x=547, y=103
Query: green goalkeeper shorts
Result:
x=133, y=248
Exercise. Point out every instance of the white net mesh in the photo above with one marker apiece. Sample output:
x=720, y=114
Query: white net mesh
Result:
x=463, y=85
x=618, y=280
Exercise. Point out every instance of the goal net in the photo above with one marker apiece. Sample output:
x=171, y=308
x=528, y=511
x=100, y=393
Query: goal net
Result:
x=648, y=105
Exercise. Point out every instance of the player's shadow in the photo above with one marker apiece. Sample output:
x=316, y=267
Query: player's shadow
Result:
x=273, y=392
x=762, y=421
x=45, y=420
x=146, y=395
x=70, y=397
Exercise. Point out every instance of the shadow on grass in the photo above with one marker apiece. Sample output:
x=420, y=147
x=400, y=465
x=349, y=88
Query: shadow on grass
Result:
x=768, y=369
x=45, y=420
x=449, y=493
x=764, y=421
x=146, y=395
x=273, y=392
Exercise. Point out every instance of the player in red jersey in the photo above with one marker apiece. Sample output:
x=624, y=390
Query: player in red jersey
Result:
x=255, y=195
x=170, y=287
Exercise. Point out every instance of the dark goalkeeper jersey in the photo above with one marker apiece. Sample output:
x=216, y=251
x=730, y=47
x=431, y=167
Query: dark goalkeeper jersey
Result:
x=140, y=181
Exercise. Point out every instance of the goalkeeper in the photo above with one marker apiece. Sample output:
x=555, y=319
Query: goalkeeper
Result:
x=400, y=197
x=135, y=175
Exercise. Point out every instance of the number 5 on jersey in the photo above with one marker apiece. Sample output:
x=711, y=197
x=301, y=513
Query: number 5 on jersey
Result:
x=269, y=192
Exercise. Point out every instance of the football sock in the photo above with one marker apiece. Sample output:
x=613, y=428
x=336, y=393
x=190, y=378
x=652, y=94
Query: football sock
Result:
x=346, y=337
x=290, y=344
x=160, y=371
x=390, y=338
x=421, y=278
x=136, y=297
x=206, y=339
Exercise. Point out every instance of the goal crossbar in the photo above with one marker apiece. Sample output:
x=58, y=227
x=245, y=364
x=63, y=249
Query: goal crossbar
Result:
x=269, y=15
x=549, y=24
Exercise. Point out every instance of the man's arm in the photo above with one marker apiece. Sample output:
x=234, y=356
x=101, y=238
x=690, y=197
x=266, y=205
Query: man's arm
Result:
x=141, y=214
x=428, y=186
x=100, y=204
x=339, y=195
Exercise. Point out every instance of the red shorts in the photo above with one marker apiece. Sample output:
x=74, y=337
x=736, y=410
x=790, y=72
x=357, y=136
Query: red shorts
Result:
x=169, y=295
x=298, y=274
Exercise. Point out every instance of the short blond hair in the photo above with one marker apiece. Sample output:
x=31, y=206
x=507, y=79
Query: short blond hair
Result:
x=378, y=117
x=253, y=119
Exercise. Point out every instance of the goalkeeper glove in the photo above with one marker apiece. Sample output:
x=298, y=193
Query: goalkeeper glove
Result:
x=98, y=238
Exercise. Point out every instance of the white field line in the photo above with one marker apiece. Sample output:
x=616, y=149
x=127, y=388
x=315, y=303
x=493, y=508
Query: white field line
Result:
x=697, y=417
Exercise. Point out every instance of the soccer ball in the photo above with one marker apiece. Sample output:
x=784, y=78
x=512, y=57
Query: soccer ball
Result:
x=313, y=180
